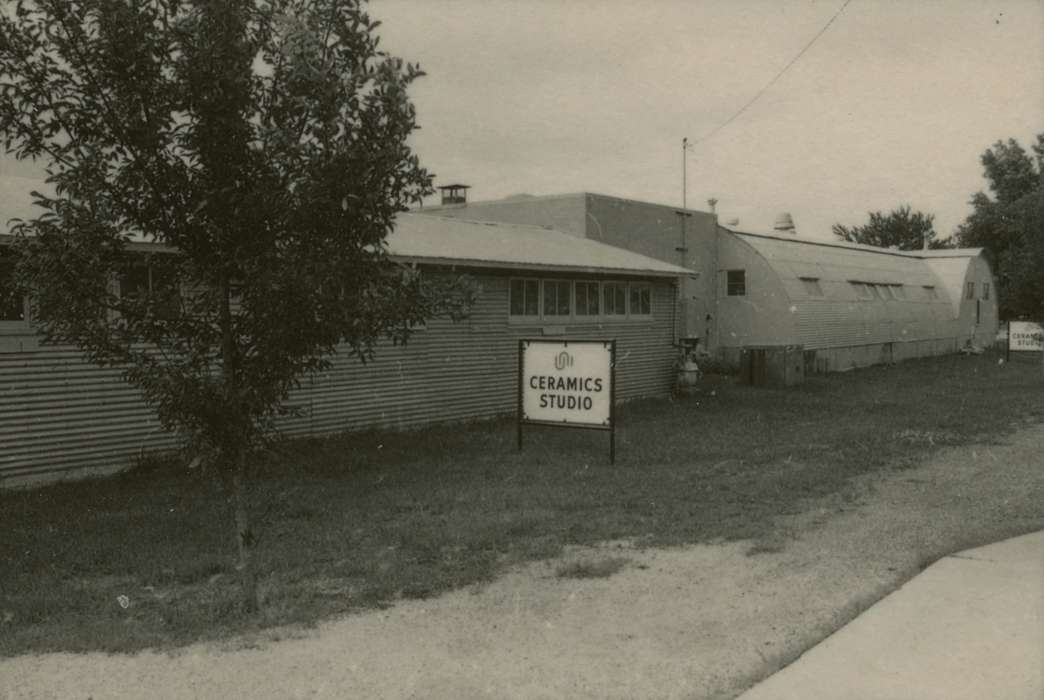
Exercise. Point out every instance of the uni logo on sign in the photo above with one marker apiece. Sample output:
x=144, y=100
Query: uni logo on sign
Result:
x=563, y=360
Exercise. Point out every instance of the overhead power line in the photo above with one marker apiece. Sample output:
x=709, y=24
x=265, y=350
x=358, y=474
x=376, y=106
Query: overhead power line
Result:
x=778, y=75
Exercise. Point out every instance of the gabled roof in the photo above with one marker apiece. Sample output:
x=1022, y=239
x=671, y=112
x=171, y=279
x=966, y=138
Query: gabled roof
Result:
x=434, y=239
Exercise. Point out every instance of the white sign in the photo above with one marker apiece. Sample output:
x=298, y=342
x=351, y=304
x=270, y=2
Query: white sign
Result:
x=1025, y=335
x=567, y=382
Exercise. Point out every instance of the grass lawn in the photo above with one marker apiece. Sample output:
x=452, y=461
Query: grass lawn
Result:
x=359, y=521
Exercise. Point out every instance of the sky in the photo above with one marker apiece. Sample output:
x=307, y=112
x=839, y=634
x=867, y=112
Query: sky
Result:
x=893, y=104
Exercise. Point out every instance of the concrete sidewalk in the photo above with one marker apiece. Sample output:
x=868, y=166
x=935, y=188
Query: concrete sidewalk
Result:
x=970, y=626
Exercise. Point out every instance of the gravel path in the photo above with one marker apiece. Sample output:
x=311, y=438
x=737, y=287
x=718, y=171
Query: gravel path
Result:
x=696, y=622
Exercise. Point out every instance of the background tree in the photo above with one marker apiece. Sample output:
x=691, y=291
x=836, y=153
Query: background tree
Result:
x=1009, y=226
x=901, y=227
x=265, y=143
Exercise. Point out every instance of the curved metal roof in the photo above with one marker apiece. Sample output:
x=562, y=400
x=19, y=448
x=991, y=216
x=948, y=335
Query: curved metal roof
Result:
x=793, y=257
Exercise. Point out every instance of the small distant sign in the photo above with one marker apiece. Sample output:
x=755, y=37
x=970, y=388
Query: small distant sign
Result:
x=567, y=383
x=1025, y=336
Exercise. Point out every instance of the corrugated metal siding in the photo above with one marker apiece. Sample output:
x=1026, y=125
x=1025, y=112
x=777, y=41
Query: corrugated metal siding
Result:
x=469, y=370
x=60, y=414
x=826, y=323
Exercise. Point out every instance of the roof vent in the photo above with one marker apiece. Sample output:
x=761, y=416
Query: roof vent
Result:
x=454, y=194
x=785, y=224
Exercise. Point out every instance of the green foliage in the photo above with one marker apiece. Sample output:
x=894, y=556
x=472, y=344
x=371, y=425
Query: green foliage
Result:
x=902, y=228
x=1010, y=225
x=234, y=168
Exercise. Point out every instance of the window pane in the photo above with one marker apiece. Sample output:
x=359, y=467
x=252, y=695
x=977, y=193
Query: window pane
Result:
x=639, y=300
x=12, y=307
x=985, y=290
x=586, y=298
x=592, y=298
x=615, y=300
x=556, y=298
x=516, y=298
x=971, y=291
x=563, y=298
x=736, y=283
x=134, y=281
x=812, y=287
x=898, y=292
x=163, y=281
x=532, y=298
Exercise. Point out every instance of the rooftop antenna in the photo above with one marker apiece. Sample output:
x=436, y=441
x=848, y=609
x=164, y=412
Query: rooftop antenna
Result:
x=684, y=213
x=686, y=147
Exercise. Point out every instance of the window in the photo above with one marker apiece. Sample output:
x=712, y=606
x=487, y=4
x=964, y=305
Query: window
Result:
x=969, y=291
x=884, y=290
x=736, y=283
x=134, y=281
x=641, y=304
x=929, y=292
x=556, y=298
x=985, y=290
x=12, y=304
x=559, y=301
x=898, y=291
x=524, y=298
x=873, y=291
x=862, y=290
x=585, y=298
x=812, y=287
x=614, y=294
x=158, y=278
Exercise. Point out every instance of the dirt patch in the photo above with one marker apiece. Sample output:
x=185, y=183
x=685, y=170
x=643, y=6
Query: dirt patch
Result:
x=693, y=622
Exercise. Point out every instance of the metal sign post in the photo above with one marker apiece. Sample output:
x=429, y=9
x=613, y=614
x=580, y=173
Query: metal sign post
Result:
x=568, y=384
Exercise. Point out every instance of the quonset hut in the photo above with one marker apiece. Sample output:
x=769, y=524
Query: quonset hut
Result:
x=848, y=305
x=60, y=415
x=834, y=305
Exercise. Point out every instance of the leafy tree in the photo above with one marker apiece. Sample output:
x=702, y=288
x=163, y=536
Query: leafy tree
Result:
x=903, y=228
x=1023, y=269
x=1008, y=225
x=264, y=143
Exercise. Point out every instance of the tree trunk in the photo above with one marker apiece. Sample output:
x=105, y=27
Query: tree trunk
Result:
x=245, y=540
x=245, y=564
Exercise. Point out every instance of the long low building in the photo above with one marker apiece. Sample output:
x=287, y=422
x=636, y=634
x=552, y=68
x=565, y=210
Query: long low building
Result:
x=841, y=305
x=61, y=416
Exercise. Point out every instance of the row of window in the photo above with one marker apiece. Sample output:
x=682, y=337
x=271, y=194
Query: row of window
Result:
x=133, y=281
x=563, y=299
x=736, y=285
x=887, y=291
